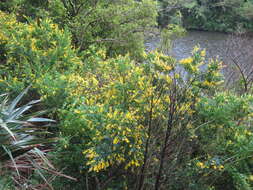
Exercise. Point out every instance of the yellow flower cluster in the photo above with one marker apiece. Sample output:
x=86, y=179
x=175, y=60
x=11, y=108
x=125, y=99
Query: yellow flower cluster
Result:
x=164, y=63
x=203, y=53
x=251, y=177
x=209, y=84
x=89, y=153
x=220, y=167
x=186, y=61
x=190, y=65
x=116, y=140
x=134, y=163
x=39, y=43
x=102, y=53
x=3, y=38
x=33, y=44
x=100, y=166
x=202, y=165
x=7, y=21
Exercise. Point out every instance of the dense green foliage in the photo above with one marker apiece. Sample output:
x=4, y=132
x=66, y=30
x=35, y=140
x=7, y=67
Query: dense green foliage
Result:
x=117, y=25
x=126, y=118
x=213, y=15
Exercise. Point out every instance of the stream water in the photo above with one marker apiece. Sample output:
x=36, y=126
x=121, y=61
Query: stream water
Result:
x=213, y=42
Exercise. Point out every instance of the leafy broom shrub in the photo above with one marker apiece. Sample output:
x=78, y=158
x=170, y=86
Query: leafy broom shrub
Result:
x=105, y=119
x=225, y=140
x=222, y=140
x=31, y=50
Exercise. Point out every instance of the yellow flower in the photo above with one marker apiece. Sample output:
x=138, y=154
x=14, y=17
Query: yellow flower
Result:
x=77, y=111
x=102, y=53
x=221, y=167
x=115, y=140
x=196, y=48
x=247, y=132
x=200, y=165
x=3, y=38
x=126, y=140
x=144, y=54
x=207, y=83
x=203, y=53
x=30, y=28
x=251, y=177
x=177, y=76
x=186, y=61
